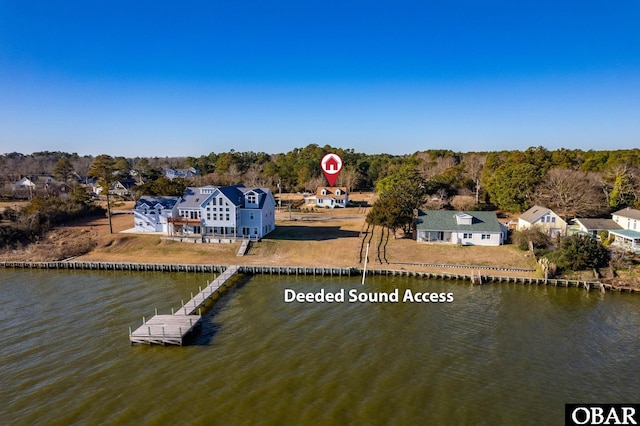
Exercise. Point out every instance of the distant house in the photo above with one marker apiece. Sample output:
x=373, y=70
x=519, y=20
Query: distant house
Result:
x=224, y=213
x=181, y=173
x=24, y=183
x=122, y=187
x=151, y=213
x=58, y=189
x=628, y=237
x=459, y=227
x=332, y=197
x=592, y=226
x=544, y=219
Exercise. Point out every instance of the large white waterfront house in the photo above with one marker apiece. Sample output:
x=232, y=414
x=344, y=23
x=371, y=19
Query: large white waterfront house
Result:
x=209, y=213
x=217, y=214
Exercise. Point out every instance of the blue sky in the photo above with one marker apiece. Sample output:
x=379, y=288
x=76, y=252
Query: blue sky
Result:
x=138, y=78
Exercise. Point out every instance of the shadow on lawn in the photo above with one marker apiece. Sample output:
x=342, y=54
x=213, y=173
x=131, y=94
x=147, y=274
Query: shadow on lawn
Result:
x=310, y=233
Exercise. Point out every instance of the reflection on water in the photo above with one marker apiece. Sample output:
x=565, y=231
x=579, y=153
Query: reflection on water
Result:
x=498, y=354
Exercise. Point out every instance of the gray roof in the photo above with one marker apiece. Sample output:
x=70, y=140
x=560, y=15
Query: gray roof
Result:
x=445, y=220
x=598, y=224
x=629, y=212
x=153, y=200
x=534, y=213
x=193, y=197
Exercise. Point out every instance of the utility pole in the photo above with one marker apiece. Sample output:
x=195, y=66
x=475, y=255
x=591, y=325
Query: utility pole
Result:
x=279, y=195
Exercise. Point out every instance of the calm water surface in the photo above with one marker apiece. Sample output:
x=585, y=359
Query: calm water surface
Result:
x=498, y=354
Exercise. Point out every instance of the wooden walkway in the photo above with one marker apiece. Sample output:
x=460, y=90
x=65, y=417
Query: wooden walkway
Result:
x=175, y=328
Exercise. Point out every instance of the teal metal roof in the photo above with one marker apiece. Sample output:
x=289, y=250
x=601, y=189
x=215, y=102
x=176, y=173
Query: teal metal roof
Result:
x=627, y=233
x=445, y=220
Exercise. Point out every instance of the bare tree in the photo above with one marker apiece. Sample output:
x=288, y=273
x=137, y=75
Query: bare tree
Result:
x=473, y=165
x=571, y=192
x=254, y=176
x=349, y=177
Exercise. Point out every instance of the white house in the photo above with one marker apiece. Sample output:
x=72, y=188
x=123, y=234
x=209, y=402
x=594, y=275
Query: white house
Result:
x=181, y=173
x=459, y=227
x=543, y=218
x=24, y=183
x=332, y=197
x=225, y=213
x=151, y=213
x=593, y=226
x=629, y=236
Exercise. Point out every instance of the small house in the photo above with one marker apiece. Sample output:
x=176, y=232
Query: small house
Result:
x=544, y=219
x=628, y=237
x=592, y=226
x=332, y=197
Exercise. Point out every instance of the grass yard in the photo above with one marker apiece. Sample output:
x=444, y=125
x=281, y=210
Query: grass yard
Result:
x=335, y=238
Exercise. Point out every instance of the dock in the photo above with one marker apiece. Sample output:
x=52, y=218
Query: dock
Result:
x=165, y=330
x=174, y=329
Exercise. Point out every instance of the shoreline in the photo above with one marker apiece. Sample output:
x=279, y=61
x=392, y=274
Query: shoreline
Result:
x=315, y=271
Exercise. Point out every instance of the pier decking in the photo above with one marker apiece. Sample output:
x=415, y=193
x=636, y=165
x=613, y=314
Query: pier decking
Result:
x=175, y=328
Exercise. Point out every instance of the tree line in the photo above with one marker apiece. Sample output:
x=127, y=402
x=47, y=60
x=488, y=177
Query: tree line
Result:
x=572, y=182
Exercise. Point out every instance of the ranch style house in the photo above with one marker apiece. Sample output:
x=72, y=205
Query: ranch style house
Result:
x=459, y=227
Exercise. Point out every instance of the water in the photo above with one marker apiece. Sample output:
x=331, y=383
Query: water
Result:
x=497, y=354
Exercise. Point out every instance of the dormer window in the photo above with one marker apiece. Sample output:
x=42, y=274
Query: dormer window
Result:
x=251, y=198
x=464, y=219
x=338, y=192
x=324, y=192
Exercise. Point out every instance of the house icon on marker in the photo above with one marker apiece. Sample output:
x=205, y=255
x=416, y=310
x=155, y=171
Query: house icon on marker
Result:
x=331, y=165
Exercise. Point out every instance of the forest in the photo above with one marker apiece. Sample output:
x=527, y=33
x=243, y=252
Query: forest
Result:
x=572, y=182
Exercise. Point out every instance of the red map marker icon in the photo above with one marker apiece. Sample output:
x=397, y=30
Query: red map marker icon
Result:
x=331, y=165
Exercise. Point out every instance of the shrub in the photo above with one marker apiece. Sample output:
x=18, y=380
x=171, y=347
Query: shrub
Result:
x=539, y=239
x=578, y=252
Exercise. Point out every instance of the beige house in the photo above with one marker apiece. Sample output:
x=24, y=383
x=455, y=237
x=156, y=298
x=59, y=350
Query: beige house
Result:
x=544, y=219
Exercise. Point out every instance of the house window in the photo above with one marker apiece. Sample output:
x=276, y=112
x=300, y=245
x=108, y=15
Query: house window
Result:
x=553, y=219
x=251, y=199
x=485, y=237
x=215, y=216
x=227, y=216
x=213, y=202
x=251, y=215
x=466, y=236
x=208, y=216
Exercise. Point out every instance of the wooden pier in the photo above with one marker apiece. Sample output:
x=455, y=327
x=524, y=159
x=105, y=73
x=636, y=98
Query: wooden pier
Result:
x=165, y=330
x=175, y=328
